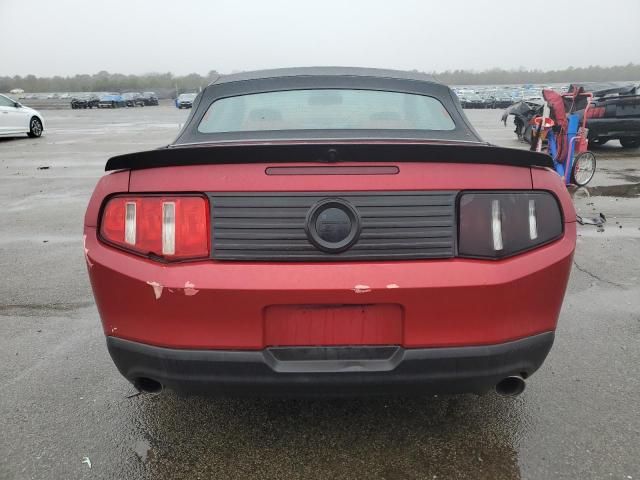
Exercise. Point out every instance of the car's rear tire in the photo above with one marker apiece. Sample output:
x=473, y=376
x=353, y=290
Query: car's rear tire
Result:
x=598, y=141
x=35, y=127
x=584, y=168
x=630, y=142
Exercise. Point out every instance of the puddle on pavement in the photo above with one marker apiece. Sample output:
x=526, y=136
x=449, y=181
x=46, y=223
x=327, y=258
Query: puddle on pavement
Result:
x=439, y=437
x=627, y=190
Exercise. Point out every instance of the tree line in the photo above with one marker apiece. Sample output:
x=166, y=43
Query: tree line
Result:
x=594, y=73
x=105, y=81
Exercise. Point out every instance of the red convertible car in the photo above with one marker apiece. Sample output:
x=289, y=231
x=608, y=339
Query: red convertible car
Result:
x=329, y=231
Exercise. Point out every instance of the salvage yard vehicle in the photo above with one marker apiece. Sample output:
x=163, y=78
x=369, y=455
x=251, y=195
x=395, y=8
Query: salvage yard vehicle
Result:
x=133, y=99
x=329, y=231
x=111, y=100
x=523, y=114
x=16, y=119
x=502, y=100
x=84, y=101
x=614, y=113
x=473, y=100
x=150, y=98
x=185, y=100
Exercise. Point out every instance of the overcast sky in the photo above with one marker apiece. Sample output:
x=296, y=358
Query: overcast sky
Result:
x=65, y=37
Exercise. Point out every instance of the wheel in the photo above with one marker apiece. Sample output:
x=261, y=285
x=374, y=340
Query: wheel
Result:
x=598, y=141
x=584, y=167
x=35, y=127
x=630, y=142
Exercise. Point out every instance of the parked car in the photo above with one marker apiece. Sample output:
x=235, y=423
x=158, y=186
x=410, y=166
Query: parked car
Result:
x=149, y=98
x=86, y=100
x=133, y=99
x=472, y=100
x=523, y=113
x=329, y=231
x=16, y=119
x=614, y=114
x=111, y=100
x=502, y=100
x=488, y=101
x=185, y=100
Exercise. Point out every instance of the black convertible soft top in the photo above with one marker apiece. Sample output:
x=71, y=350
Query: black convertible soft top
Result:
x=326, y=78
x=462, y=144
x=323, y=71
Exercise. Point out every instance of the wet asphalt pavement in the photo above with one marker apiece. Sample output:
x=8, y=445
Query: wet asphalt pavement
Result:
x=62, y=400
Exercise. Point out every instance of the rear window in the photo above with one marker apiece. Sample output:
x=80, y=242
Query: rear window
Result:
x=326, y=109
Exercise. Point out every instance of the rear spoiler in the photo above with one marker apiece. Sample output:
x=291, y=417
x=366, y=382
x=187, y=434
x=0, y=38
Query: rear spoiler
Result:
x=329, y=153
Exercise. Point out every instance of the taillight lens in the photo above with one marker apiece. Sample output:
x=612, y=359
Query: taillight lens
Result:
x=501, y=224
x=169, y=227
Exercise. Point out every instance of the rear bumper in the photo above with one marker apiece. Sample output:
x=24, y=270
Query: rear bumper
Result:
x=331, y=370
x=614, y=127
x=213, y=305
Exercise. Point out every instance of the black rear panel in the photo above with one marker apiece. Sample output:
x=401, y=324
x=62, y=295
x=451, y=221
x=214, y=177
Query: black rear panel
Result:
x=275, y=226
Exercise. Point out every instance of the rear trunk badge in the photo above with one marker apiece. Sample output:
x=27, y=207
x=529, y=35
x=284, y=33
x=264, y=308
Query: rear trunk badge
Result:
x=333, y=225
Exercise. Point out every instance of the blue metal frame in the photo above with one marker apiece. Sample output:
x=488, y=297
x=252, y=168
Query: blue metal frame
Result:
x=564, y=166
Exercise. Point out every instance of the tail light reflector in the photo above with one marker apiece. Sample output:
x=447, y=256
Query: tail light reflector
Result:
x=170, y=227
x=496, y=225
x=130, y=223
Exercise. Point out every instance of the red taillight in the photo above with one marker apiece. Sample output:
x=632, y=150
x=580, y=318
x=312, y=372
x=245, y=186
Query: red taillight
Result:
x=171, y=227
x=595, y=112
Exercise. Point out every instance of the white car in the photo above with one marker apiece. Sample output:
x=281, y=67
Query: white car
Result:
x=15, y=118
